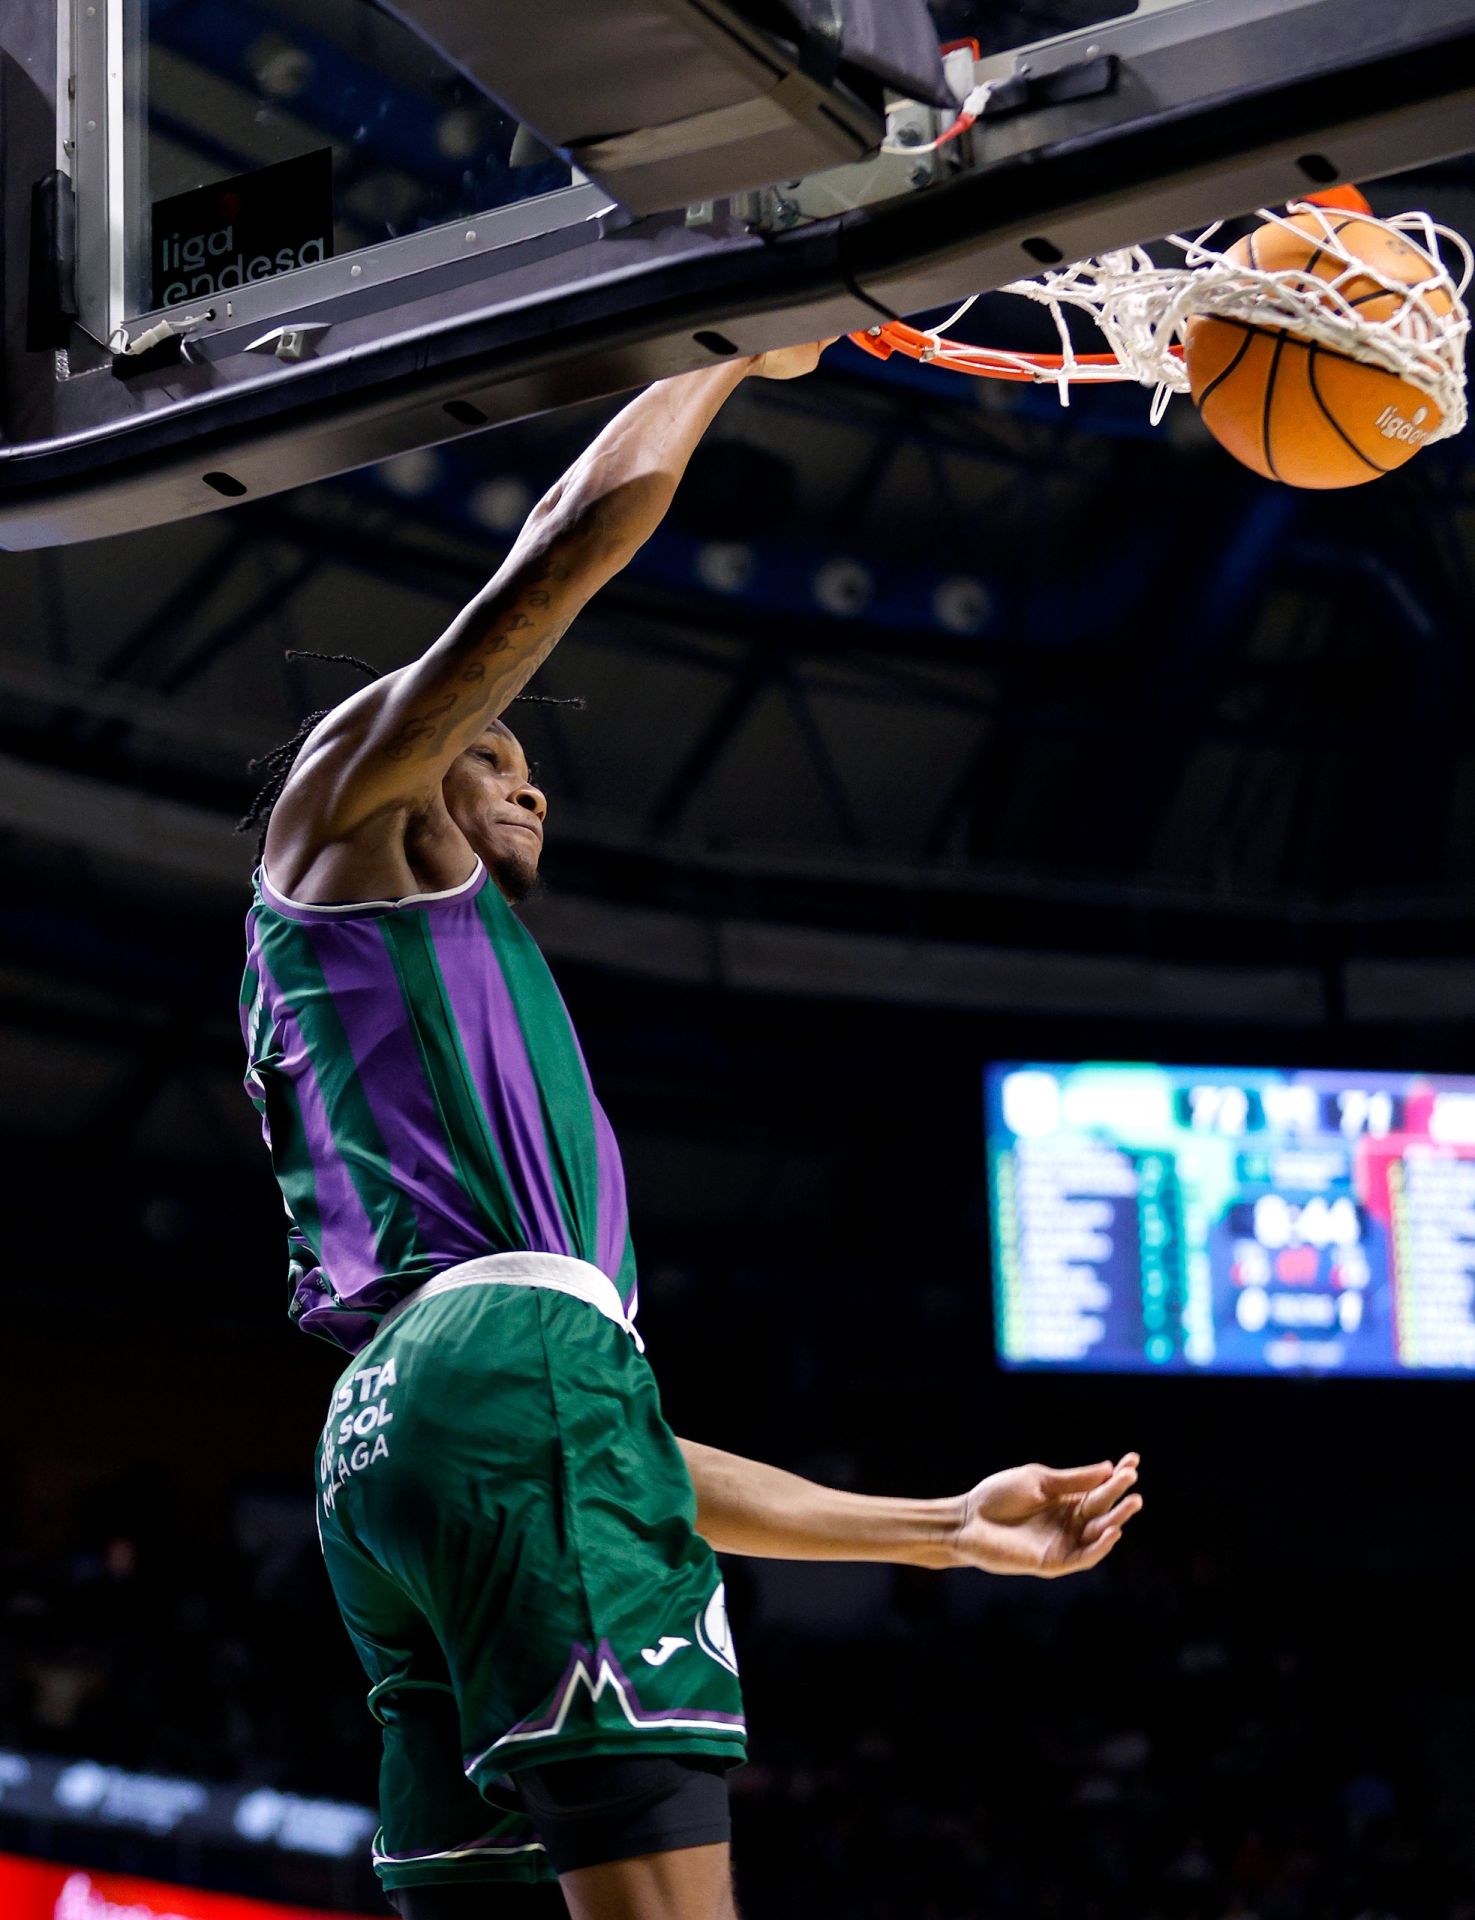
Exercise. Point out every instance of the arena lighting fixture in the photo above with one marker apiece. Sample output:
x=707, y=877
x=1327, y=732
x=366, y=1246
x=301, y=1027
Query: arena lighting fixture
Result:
x=844, y=588
x=963, y=604
x=411, y=474
x=460, y=133
x=725, y=566
x=282, y=68
x=500, y=505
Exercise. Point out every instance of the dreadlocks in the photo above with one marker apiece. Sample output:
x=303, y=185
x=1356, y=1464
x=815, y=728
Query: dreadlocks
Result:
x=280, y=760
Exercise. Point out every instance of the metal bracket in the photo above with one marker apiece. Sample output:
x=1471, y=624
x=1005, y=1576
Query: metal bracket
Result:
x=298, y=341
x=1096, y=73
x=909, y=160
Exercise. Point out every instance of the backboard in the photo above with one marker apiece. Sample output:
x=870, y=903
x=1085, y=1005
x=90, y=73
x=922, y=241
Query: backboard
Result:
x=342, y=246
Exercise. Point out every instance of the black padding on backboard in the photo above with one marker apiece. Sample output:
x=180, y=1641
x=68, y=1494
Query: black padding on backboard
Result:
x=51, y=293
x=666, y=102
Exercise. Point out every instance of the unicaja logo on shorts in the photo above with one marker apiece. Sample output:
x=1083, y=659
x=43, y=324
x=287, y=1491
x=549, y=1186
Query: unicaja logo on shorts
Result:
x=1392, y=425
x=714, y=1634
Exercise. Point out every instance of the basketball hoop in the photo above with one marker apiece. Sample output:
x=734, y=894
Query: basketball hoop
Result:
x=1142, y=309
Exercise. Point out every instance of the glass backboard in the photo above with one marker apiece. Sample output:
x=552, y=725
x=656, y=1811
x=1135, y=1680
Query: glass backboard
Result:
x=363, y=121
x=258, y=137
x=223, y=143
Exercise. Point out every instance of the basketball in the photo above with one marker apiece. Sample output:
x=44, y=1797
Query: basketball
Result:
x=1293, y=409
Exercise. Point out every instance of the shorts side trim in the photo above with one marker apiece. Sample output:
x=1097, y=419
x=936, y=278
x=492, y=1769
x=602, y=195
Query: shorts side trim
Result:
x=598, y=1673
x=483, y=1849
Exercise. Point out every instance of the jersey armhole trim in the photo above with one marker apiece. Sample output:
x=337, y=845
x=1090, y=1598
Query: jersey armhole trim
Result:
x=284, y=903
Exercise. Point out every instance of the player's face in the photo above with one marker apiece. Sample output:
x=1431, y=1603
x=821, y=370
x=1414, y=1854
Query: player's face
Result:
x=490, y=795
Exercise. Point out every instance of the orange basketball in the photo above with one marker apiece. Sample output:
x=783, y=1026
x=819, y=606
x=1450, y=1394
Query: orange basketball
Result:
x=1297, y=411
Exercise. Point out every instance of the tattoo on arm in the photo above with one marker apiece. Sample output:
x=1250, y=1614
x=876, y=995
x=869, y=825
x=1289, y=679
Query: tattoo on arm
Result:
x=423, y=733
x=418, y=731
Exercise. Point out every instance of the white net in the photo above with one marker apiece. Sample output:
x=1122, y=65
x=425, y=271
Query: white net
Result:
x=1142, y=309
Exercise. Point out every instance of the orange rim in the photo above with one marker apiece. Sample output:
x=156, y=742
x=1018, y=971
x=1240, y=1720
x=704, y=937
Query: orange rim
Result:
x=988, y=363
x=998, y=363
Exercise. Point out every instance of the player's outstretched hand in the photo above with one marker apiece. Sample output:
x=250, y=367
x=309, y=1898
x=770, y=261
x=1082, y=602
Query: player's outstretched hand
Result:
x=788, y=363
x=1048, y=1520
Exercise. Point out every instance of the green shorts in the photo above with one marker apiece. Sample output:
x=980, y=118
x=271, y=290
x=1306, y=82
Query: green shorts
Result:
x=509, y=1528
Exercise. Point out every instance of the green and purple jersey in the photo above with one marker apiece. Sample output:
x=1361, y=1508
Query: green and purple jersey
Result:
x=423, y=1097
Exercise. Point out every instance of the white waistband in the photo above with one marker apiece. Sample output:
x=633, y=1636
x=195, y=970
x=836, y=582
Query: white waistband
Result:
x=555, y=1271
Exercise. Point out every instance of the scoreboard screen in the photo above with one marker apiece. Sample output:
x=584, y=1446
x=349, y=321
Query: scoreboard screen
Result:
x=1231, y=1220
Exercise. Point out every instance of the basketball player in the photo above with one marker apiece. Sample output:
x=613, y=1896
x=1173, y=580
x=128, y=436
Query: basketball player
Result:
x=521, y=1549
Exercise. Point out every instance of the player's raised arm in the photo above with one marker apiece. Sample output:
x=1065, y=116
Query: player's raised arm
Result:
x=389, y=747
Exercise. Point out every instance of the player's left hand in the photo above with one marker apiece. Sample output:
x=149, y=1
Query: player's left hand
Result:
x=1047, y=1521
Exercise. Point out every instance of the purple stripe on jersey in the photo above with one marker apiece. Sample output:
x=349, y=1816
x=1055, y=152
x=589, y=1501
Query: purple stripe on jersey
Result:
x=612, y=1222
x=504, y=1082
x=366, y=995
x=347, y=1250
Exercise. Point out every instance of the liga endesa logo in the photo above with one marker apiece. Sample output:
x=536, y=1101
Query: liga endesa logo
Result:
x=39, y=1890
x=206, y=263
x=1392, y=425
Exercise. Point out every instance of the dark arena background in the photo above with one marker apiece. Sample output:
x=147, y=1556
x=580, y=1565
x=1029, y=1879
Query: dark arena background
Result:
x=939, y=729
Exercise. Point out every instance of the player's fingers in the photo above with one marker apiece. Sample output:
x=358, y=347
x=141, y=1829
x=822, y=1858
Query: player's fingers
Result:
x=1093, y=1555
x=1057, y=1482
x=1101, y=1499
x=1113, y=1521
